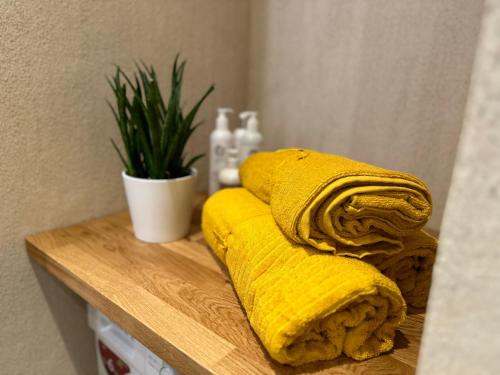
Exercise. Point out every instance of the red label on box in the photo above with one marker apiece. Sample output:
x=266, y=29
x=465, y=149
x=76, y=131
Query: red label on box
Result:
x=114, y=365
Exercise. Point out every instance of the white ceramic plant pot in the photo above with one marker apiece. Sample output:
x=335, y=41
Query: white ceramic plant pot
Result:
x=160, y=209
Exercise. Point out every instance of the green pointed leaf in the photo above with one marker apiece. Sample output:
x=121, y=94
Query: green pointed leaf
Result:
x=121, y=157
x=193, y=160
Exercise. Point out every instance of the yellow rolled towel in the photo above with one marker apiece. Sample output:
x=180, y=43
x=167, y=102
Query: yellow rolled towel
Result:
x=304, y=305
x=411, y=268
x=337, y=204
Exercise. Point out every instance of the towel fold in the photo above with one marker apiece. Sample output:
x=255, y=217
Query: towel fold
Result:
x=411, y=268
x=337, y=204
x=304, y=305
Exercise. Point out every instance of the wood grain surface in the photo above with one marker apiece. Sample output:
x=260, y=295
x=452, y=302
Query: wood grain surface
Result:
x=177, y=300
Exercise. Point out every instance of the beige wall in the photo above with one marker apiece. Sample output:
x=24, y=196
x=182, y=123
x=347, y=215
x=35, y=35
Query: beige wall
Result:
x=462, y=328
x=380, y=81
x=56, y=163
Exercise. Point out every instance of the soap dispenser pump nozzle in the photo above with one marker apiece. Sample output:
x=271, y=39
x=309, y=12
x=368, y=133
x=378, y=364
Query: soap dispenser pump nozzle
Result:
x=222, y=123
x=252, y=122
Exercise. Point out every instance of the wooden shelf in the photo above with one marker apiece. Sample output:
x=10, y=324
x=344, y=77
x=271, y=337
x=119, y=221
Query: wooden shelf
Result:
x=178, y=301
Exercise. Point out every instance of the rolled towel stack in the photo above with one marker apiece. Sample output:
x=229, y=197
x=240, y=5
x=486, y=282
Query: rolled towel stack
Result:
x=323, y=251
x=303, y=304
x=352, y=209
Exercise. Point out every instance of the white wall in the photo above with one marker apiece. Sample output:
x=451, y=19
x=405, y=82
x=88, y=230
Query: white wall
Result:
x=462, y=328
x=380, y=81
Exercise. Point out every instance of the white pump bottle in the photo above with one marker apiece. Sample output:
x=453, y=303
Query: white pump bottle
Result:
x=220, y=141
x=240, y=132
x=251, y=139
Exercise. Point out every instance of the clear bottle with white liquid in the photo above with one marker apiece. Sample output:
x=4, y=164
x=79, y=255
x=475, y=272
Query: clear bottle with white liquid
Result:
x=230, y=175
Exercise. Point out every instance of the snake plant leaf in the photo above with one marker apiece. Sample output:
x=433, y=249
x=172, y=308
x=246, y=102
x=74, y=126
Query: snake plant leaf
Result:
x=193, y=160
x=190, y=117
x=125, y=164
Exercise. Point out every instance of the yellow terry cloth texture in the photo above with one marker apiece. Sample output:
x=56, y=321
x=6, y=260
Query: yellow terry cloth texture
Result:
x=304, y=305
x=338, y=204
x=411, y=268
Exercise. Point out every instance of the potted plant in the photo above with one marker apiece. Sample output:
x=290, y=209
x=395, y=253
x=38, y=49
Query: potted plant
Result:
x=159, y=180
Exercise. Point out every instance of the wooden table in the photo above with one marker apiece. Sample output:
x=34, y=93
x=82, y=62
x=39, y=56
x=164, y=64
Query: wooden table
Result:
x=178, y=301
